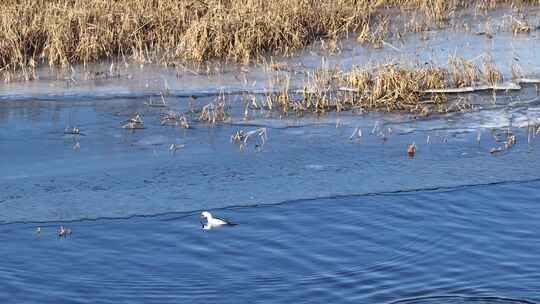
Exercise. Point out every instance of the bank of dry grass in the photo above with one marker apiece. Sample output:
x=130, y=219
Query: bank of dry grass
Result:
x=62, y=32
x=417, y=89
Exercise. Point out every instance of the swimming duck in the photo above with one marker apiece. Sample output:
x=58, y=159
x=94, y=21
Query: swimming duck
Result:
x=213, y=222
x=411, y=150
x=63, y=232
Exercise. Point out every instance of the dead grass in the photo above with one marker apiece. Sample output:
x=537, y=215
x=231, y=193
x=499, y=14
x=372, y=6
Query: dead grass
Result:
x=60, y=32
x=491, y=72
x=215, y=112
x=421, y=90
x=383, y=88
x=393, y=88
x=464, y=72
x=520, y=25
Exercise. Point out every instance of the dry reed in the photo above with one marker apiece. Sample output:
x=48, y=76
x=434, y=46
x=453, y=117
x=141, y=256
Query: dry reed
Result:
x=390, y=87
x=60, y=32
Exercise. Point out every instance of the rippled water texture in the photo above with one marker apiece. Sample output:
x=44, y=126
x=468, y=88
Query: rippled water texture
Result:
x=479, y=241
x=322, y=218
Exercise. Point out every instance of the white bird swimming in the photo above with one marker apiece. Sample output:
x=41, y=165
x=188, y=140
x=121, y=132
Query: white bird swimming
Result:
x=213, y=222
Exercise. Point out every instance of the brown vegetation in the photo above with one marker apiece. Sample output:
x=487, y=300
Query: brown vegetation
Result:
x=60, y=32
x=420, y=90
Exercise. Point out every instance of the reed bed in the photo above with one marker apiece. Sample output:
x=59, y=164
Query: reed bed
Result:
x=59, y=32
x=420, y=90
